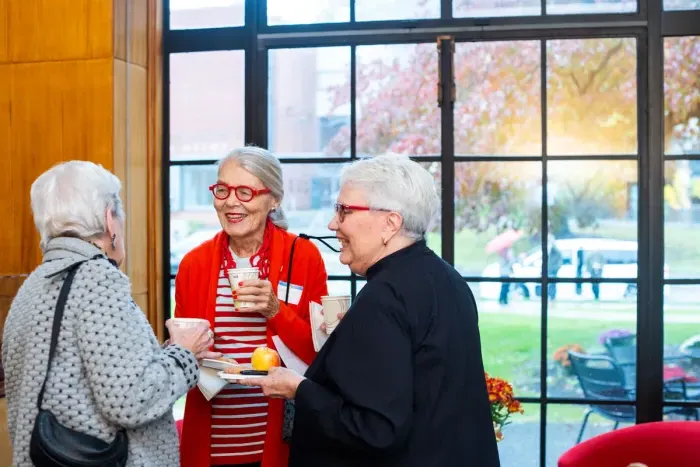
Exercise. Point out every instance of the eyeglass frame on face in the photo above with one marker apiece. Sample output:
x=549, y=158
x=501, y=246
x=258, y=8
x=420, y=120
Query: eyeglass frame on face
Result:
x=341, y=210
x=234, y=189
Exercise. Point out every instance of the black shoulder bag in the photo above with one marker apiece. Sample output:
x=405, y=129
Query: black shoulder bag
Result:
x=289, y=407
x=54, y=445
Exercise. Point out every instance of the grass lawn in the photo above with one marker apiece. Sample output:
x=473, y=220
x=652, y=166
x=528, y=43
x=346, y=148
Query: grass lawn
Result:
x=509, y=342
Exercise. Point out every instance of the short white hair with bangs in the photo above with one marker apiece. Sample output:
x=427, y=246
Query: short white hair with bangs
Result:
x=71, y=199
x=396, y=183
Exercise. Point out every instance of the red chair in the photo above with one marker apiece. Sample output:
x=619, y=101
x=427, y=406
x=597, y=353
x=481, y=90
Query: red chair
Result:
x=658, y=444
x=178, y=425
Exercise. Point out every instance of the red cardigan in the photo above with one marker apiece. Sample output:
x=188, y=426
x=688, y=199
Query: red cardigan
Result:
x=195, y=297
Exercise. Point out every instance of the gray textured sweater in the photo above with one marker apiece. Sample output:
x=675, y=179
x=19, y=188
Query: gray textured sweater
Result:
x=109, y=370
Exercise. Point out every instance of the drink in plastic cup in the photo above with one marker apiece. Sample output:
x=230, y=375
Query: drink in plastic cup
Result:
x=239, y=275
x=332, y=305
x=187, y=323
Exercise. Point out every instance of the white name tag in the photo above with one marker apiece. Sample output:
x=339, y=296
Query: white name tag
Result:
x=294, y=292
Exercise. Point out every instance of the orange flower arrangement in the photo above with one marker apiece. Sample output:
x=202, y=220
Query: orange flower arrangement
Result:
x=503, y=404
x=561, y=355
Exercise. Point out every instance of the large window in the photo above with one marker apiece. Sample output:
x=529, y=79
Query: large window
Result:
x=535, y=127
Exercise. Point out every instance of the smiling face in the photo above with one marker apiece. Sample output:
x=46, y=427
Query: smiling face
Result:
x=361, y=233
x=242, y=219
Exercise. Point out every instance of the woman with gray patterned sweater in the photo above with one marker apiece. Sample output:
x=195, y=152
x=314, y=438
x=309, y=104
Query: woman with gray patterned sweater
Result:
x=109, y=373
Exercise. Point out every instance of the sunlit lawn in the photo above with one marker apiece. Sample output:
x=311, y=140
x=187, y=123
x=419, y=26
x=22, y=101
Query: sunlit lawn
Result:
x=508, y=342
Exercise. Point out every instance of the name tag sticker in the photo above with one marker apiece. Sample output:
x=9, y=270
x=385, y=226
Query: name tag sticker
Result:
x=294, y=292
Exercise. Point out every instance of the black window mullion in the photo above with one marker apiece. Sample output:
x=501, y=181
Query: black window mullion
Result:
x=544, y=229
x=447, y=95
x=650, y=320
x=165, y=169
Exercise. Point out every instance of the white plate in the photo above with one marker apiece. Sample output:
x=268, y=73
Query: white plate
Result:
x=234, y=377
x=216, y=364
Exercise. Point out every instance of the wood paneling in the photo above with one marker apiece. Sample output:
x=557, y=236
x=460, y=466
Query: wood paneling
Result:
x=43, y=30
x=120, y=28
x=154, y=136
x=9, y=285
x=4, y=31
x=80, y=79
x=58, y=111
x=137, y=178
x=5, y=446
x=138, y=32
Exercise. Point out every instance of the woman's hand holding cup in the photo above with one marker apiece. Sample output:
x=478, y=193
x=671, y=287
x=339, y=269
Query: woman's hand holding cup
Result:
x=334, y=308
x=196, y=338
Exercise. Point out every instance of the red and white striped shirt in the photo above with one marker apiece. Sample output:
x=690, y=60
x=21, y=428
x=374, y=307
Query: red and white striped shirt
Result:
x=239, y=413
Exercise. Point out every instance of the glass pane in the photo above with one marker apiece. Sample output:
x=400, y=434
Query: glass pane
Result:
x=206, y=104
x=309, y=193
x=520, y=446
x=498, y=219
x=682, y=92
x=308, y=102
x=339, y=287
x=682, y=342
x=591, y=96
x=323, y=11
x=172, y=299
x=495, y=8
x=603, y=334
x=681, y=4
x=434, y=234
x=190, y=14
x=397, y=107
x=510, y=328
x=592, y=215
x=682, y=219
x=564, y=423
x=376, y=10
x=360, y=283
x=573, y=7
x=192, y=216
x=497, y=111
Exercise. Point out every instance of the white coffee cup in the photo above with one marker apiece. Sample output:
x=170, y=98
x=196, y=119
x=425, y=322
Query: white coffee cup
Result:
x=239, y=275
x=187, y=323
x=332, y=305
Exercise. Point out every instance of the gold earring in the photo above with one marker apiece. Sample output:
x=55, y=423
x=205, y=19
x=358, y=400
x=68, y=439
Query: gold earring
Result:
x=385, y=241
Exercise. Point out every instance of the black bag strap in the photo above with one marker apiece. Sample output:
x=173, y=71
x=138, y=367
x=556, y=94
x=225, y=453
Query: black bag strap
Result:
x=291, y=257
x=58, y=317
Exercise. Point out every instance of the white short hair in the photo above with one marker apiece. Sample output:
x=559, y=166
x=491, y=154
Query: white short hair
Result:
x=265, y=166
x=71, y=199
x=397, y=183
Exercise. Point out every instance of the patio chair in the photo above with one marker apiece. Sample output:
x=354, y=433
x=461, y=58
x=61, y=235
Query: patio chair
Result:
x=602, y=378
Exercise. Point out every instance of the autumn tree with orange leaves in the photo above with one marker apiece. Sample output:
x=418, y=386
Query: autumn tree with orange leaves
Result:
x=591, y=104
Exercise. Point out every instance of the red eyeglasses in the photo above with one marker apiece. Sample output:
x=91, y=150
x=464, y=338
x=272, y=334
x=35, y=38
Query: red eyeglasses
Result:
x=341, y=210
x=243, y=193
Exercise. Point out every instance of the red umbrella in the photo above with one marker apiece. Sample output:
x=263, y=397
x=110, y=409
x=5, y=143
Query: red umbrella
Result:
x=503, y=241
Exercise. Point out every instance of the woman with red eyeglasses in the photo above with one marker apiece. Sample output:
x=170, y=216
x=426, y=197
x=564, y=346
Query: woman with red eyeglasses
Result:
x=240, y=426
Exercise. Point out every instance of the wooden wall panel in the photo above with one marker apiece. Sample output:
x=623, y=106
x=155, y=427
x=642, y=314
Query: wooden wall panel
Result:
x=155, y=207
x=138, y=32
x=120, y=28
x=137, y=179
x=8, y=201
x=60, y=111
x=80, y=79
x=9, y=285
x=43, y=30
x=4, y=31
